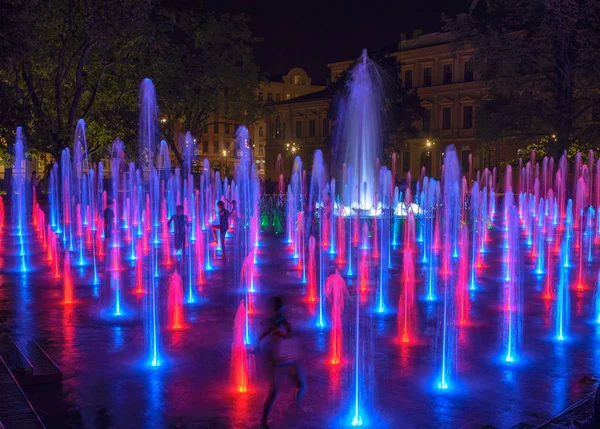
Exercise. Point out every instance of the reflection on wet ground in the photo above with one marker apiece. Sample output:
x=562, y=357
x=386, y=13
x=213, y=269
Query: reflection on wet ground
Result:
x=107, y=385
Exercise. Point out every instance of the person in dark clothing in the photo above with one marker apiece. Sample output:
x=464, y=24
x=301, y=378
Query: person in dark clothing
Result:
x=222, y=226
x=109, y=220
x=282, y=358
x=181, y=222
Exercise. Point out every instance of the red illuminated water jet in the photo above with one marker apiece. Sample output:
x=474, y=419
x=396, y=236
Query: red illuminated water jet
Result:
x=139, y=274
x=341, y=237
x=175, y=302
x=462, y=288
x=336, y=292
x=407, y=305
x=312, y=271
x=239, y=356
x=67, y=280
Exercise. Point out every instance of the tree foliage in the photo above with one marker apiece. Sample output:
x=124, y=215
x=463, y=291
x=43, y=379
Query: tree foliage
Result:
x=540, y=60
x=62, y=60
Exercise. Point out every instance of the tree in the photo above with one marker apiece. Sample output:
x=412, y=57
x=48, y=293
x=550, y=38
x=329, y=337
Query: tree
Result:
x=65, y=60
x=540, y=60
x=62, y=60
x=205, y=72
x=402, y=107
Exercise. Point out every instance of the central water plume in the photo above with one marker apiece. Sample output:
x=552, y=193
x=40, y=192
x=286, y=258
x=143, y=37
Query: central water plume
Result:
x=359, y=130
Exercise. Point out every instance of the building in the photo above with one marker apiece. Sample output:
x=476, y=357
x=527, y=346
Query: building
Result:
x=218, y=138
x=442, y=73
x=297, y=127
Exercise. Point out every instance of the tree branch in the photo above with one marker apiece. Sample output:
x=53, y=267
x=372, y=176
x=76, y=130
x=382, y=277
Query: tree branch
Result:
x=79, y=79
x=95, y=91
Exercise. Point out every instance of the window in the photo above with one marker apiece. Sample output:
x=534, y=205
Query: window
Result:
x=465, y=160
x=261, y=151
x=278, y=97
x=325, y=128
x=260, y=96
x=296, y=80
x=408, y=79
x=426, y=114
x=215, y=147
x=278, y=127
x=311, y=128
x=405, y=161
x=269, y=96
x=216, y=128
x=287, y=96
x=298, y=129
x=446, y=118
x=260, y=132
x=468, y=71
x=205, y=146
x=427, y=76
x=468, y=117
x=226, y=128
x=447, y=74
x=205, y=129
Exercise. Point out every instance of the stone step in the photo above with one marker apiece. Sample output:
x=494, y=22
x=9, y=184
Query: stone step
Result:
x=15, y=410
x=578, y=411
x=15, y=359
x=44, y=368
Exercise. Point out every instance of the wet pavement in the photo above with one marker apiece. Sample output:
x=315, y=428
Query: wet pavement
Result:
x=107, y=383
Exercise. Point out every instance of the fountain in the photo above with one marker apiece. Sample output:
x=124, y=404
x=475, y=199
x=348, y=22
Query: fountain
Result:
x=175, y=302
x=240, y=368
x=336, y=292
x=452, y=204
x=359, y=127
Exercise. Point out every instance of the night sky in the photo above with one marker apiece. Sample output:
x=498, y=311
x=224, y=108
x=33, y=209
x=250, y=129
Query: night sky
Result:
x=309, y=34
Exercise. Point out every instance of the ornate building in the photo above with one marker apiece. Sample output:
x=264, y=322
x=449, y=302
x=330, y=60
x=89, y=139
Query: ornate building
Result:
x=218, y=140
x=441, y=73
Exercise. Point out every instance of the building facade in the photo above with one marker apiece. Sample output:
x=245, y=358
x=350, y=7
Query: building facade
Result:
x=442, y=74
x=217, y=142
x=297, y=127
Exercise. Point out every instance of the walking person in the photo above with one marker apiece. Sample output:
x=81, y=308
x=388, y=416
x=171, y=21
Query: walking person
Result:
x=109, y=220
x=222, y=226
x=283, y=359
x=181, y=223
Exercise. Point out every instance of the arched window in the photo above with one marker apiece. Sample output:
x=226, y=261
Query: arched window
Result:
x=277, y=127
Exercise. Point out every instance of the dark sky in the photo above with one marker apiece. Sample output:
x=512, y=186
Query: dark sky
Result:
x=309, y=34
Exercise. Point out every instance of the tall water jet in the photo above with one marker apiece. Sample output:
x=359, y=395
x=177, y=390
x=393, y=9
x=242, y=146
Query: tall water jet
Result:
x=510, y=334
x=312, y=271
x=336, y=292
x=18, y=182
x=67, y=280
x=451, y=220
x=240, y=368
x=358, y=133
x=175, y=302
x=407, y=305
x=562, y=302
x=147, y=143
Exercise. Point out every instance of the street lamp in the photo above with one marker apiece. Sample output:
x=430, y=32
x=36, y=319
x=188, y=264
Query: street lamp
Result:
x=225, y=156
